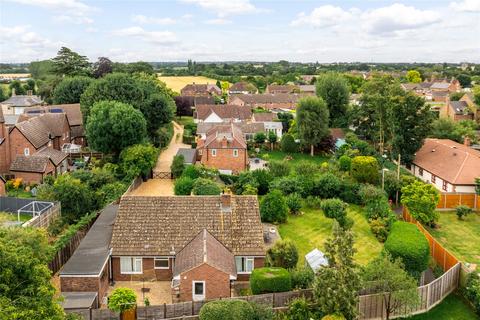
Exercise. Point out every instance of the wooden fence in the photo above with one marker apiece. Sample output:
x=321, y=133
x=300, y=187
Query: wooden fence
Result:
x=43, y=220
x=452, y=200
x=441, y=255
x=81, y=155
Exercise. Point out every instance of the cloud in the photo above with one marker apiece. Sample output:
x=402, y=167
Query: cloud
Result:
x=73, y=19
x=151, y=20
x=156, y=37
x=397, y=17
x=323, y=16
x=218, y=21
x=466, y=6
x=225, y=8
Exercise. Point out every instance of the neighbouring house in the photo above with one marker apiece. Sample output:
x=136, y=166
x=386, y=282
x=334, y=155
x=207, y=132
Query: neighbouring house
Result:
x=218, y=113
x=2, y=186
x=185, y=104
x=450, y=166
x=307, y=78
x=224, y=148
x=201, y=244
x=459, y=110
x=4, y=146
x=249, y=129
x=437, y=96
x=308, y=89
x=189, y=155
x=242, y=87
x=270, y=122
x=88, y=269
x=469, y=99
x=281, y=101
x=17, y=103
x=199, y=90
x=282, y=88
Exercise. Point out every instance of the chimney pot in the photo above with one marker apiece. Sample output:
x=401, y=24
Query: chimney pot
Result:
x=29, y=92
x=226, y=200
x=467, y=142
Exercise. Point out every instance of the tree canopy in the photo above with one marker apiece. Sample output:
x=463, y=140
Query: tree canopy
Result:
x=333, y=89
x=70, y=89
x=312, y=121
x=70, y=63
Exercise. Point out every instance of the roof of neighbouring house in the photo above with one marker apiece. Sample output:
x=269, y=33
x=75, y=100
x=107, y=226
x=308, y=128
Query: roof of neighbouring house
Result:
x=245, y=127
x=459, y=107
x=265, y=116
x=243, y=86
x=337, y=133
x=73, y=112
x=164, y=225
x=37, y=164
x=189, y=155
x=78, y=300
x=23, y=101
x=224, y=111
x=94, y=250
x=56, y=156
x=439, y=93
x=201, y=88
x=230, y=132
x=204, y=248
x=35, y=131
x=289, y=88
x=449, y=160
x=440, y=85
x=307, y=88
x=265, y=98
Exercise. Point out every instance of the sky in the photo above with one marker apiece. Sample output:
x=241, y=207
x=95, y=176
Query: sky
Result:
x=243, y=30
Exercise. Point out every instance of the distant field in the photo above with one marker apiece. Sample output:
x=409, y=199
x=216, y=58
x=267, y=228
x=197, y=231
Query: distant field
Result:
x=177, y=83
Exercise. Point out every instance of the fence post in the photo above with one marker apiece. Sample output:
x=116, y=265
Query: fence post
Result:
x=273, y=300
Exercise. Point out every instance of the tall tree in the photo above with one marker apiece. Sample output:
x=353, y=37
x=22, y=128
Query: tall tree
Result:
x=70, y=63
x=410, y=120
x=414, y=76
x=16, y=86
x=113, y=126
x=333, y=89
x=158, y=110
x=387, y=277
x=312, y=121
x=70, y=89
x=336, y=285
x=102, y=67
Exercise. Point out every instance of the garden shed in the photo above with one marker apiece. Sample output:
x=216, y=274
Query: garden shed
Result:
x=315, y=259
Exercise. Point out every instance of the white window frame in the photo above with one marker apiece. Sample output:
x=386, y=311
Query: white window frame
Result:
x=161, y=259
x=133, y=263
x=235, y=152
x=198, y=297
x=214, y=152
x=245, y=264
x=26, y=151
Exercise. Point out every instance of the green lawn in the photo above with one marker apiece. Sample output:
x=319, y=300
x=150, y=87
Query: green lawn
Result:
x=460, y=237
x=279, y=155
x=183, y=120
x=6, y=216
x=310, y=230
x=452, y=308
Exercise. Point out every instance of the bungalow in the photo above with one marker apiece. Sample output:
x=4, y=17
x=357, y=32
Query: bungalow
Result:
x=270, y=121
x=282, y=101
x=469, y=99
x=450, y=166
x=17, y=103
x=218, y=113
x=196, y=90
x=459, y=110
x=278, y=88
x=249, y=129
x=202, y=244
x=242, y=87
x=224, y=148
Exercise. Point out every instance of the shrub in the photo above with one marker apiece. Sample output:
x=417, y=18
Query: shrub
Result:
x=334, y=317
x=178, y=165
x=205, y=187
x=345, y=162
x=294, y=203
x=313, y=202
x=421, y=199
x=249, y=190
x=288, y=144
x=279, y=168
x=379, y=208
x=260, y=137
x=405, y=241
x=369, y=193
x=163, y=135
x=349, y=191
x=302, y=278
x=365, y=169
x=263, y=179
x=299, y=309
x=335, y=209
x=111, y=192
x=183, y=186
x=192, y=172
x=283, y=254
x=262, y=311
x=226, y=310
x=380, y=228
x=306, y=168
x=327, y=186
x=122, y=299
x=472, y=290
x=267, y=280
x=462, y=211
x=244, y=179
x=138, y=160
x=287, y=185
x=273, y=207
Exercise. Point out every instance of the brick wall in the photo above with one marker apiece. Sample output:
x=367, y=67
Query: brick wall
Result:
x=149, y=272
x=258, y=262
x=79, y=284
x=58, y=142
x=217, y=283
x=18, y=143
x=225, y=159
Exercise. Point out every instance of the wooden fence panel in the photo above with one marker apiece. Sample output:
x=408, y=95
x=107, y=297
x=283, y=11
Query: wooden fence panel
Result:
x=452, y=200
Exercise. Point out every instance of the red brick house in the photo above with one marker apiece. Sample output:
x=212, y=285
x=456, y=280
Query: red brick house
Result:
x=200, y=90
x=469, y=100
x=202, y=244
x=222, y=113
x=242, y=87
x=224, y=148
x=282, y=88
x=267, y=101
x=33, y=169
x=459, y=110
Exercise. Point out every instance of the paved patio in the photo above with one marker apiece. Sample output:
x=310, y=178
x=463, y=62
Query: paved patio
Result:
x=154, y=187
x=158, y=292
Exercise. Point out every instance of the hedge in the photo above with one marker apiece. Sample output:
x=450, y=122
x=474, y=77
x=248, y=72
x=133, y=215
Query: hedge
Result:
x=405, y=241
x=227, y=310
x=267, y=280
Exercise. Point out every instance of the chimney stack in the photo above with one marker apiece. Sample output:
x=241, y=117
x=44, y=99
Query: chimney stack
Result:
x=224, y=142
x=13, y=92
x=467, y=142
x=29, y=93
x=226, y=199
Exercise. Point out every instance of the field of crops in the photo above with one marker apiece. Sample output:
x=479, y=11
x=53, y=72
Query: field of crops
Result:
x=177, y=83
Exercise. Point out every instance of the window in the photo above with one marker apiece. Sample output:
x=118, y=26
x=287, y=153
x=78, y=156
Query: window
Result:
x=420, y=171
x=235, y=152
x=433, y=178
x=244, y=264
x=214, y=152
x=445, y=185
x=198, y=290
x=130, y=265
x=162, y=263
x=26, y=151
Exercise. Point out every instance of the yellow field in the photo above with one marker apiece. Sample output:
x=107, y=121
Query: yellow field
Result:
x=14, y=75
x=177, y=83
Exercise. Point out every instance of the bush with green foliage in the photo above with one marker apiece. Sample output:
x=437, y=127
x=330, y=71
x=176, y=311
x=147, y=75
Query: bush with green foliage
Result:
x=273, y=207
x=288, y=144
x=299, y=309
x=279, y=168
x=302, y=277
x=178, y=165
x=163, y=135
x=306, y=168
x=262, y=311
x=183, y=186
x=272, y=279
x=111, y=192
x=421, y=199
x=260, y=138
x=205, y=187
x=462, y=211
x=283, y=254
x=472, y=290
x=335, y=209
x=287, y=185
x=380, y=228
x=294, y=203
x=192, y=172
x=365, y=169
x=227, y=310
x=122, y=299
x=70, y=89
x=379, y=208
x=138, y=160
x=328, y=185
x=405, y=241
x=349, y=191
x=262, y=178
x=345, y=162
x=249, y=190
x=369, y=193
x=333, y=317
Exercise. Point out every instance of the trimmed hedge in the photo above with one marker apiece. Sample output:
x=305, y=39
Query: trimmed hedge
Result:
x=227, y=310
x=405, y=241
x=267, y=280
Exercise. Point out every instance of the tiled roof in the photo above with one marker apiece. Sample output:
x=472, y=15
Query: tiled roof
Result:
x=23, y=101
x=29, y=163
x=266, y=98
x=160, y=225
x=73, y=112
x=440, y=85
x=77, y=131
x=265, y=116
x=189, y=155
x=460, y=107
x=243, y=86
x=439, y=93
x=286, y=88
x=2, y=119
x=449, y=160
x=229, y=132
x=224, y=111
x=245, y=127
x=201, y=88
x=307, y=88
x=55, y=122
x=204, y=248
x=56, y=156
x=35, y=131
